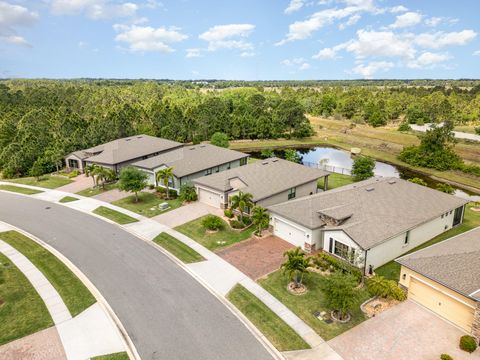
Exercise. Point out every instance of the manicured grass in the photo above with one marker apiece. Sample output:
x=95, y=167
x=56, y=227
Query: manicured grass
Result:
x=22, y=311
x=195, y=230
x=147, y=204
x=67, y=199
x=282, y=336
x=73, y=292
x=391, y=270
x=114, y=215
x=46, y=181
x=96, y=190
x=19, y=189
x=336, y=180
x=314, y=300
x=116, y=356
x=177, y=248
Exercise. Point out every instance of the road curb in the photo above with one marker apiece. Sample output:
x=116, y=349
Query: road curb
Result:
x=129, y=346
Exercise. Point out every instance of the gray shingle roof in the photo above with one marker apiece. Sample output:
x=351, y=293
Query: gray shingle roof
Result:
x=125, y=149
x=455, y=263
x=370, y=211
x=191, y=159
x=263, y=178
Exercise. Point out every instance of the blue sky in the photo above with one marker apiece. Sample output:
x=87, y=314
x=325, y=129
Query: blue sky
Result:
x=247, y=39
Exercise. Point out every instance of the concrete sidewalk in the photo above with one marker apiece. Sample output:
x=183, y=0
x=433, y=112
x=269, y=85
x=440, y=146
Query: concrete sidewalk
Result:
x=215, y=273
x=89, y=334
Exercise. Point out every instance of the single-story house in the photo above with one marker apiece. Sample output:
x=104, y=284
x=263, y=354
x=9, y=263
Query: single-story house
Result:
x=119, y=153
x=370, y=222
x=445, y=278
x=191, y=162
x=270, y=181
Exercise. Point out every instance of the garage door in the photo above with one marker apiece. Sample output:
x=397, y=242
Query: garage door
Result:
x=445, y=306
x=288, y=233
x=209, y=198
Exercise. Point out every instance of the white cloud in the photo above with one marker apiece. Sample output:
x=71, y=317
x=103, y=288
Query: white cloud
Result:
x=229, y=36
x=82, y=44
x=428, y=59
x=304, y=66
x=406, y=20
x=11, y=17
x=433, y=21
x=299, y=63
x=398, y=9
x=247, y=54
x=300, y=30
x=368, y=71
x=193, y=52
x=94, y=9
x=147, y=38
x=326, y=53
x=294, y=5
x=476, y=53
x=441, y=39
x=352, y=20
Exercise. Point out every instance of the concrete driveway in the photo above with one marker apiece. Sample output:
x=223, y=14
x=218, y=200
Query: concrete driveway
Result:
x=407, y=331
x=112, y=195
x=186, y=213
x=81, y=182
x=166, y=312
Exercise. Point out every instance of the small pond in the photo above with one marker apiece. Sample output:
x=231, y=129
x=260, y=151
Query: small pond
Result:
x=341, y=161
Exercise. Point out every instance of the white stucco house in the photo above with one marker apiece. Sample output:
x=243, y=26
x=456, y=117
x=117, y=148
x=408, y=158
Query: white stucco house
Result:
x=190, y=162
x=376, y=220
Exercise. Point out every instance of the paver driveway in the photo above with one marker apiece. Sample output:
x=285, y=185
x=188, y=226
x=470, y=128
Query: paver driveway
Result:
x=256, y=257
x=186, y=213
x=407, y=331
x=81, y=182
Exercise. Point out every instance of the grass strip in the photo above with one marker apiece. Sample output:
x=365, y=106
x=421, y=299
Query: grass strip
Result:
x=114, y=215
x=177, y=248
x=68, y=199
x=116, y=356
x=21, y=190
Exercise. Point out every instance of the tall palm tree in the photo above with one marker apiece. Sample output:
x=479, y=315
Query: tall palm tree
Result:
x=260, y=218
x=295, y=266
x=90, y=171
x=241, y=201
x=163, y=176
x=103, y=175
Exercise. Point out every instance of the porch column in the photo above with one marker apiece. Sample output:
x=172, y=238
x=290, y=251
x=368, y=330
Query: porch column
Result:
x=476, y=322
x=325, y=183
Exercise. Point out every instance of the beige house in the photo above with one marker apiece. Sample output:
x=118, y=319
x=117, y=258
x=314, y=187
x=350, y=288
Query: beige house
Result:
x=373, y=221
x=191, y=162
x=445, y=278
x=270, y=181
x=121, y=152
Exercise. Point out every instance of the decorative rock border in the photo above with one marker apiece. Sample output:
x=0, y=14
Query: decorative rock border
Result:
x=334, y=318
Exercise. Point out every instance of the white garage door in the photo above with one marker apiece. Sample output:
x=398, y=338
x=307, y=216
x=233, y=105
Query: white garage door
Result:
x=288, y=233
x=209, y=198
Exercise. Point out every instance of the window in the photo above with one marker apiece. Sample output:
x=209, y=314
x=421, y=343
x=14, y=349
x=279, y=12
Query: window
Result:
x=330, y=246
x=243, y=161
x=457, y=217
x=443, y=216
x=217, y=169
x=292, y=193
x=407, y=238
x=229, y=166
x=341, y=250
x=73, y=164
x=208, y=172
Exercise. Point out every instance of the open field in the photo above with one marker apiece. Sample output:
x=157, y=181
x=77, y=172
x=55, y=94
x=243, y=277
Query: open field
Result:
x=384, y=144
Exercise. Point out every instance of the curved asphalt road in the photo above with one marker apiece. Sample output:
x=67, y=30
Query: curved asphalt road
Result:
x=166, y=312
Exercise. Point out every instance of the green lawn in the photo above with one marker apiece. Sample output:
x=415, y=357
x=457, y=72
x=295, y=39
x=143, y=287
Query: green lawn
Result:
x=195, y=230
x=177, y=248
x=96, y=190
x=46, y=181
x=314, y=300
x=117, y=356
x=75, y=295
x=282, y=336
x=118, y=217
x=336, y=180
x=67, y=199
x=391, y=270
x=147, y=204
x=19, y=189
x=22, y=311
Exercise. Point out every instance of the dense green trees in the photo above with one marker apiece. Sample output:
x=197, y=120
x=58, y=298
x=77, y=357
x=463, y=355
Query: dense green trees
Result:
x=362, y=168
x=132, y=179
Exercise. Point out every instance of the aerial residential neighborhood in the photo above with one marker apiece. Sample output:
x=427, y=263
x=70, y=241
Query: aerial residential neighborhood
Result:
x=289, y=180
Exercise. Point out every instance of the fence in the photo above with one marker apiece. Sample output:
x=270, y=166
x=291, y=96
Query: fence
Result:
x=335, y=169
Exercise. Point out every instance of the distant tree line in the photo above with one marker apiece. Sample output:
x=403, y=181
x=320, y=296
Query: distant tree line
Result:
x=42, y=120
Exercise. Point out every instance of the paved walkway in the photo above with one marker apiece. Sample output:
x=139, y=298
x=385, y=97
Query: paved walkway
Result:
x=406, y=331
x=186, y=213
x=112, y=195
x=89, y=334
x=81, y=182
x=215, y=273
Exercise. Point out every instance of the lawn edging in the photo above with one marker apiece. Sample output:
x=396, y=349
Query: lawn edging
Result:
x=130, y=347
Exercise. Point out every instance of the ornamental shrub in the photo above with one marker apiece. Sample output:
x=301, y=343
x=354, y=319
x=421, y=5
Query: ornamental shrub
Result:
x=445, y=357
x=212, y=222
x=468, y=343
x=228, y=213
x=247, y=220
x=236, y=224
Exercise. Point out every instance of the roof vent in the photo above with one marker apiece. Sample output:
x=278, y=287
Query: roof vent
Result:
x=192, y=148
x=128, y=139
x=264, y=162
x=392, y=181
x=274, y=160
x=370, y=189
x=139, y=137
x=202, y=146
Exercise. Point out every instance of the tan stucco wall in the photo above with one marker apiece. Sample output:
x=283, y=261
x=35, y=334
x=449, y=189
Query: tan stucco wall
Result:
x=302, y=190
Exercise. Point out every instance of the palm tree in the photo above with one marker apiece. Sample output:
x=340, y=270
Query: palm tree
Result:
x=90, y=171
x=241, y=201
x=295, y=266
x=103, y=175
x=163, y=176
x=260, y=218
